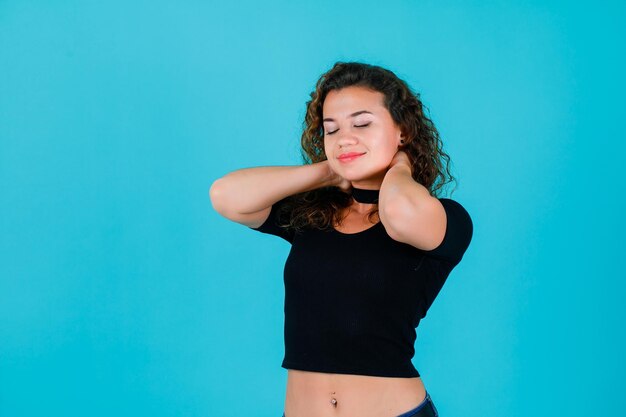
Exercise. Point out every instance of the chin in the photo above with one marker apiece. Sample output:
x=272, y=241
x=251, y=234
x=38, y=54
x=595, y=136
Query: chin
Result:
x=355, y=174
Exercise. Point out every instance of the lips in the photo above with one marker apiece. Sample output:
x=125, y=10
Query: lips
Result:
x=350, y=155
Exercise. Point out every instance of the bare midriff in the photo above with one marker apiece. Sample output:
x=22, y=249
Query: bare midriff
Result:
x=318, y=394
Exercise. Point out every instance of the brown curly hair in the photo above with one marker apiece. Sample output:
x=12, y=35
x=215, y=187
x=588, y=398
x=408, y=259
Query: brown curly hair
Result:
x=323, y=207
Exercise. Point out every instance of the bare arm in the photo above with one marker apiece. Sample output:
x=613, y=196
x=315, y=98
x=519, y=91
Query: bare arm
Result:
x=246, y=196
x=408, y=211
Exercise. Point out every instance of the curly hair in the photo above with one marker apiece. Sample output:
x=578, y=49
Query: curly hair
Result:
x=322, y=207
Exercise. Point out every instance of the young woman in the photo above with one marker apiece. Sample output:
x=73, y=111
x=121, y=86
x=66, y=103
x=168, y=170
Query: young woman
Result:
x=371, y=243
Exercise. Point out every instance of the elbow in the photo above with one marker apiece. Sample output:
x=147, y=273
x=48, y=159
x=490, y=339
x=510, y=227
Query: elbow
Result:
x=216, y=196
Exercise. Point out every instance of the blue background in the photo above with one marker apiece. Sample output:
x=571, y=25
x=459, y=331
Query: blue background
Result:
x=122, y=291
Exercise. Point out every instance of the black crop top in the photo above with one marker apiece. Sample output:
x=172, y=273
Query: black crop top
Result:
x=353, y=301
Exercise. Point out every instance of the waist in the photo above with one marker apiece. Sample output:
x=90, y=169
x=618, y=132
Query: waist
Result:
x=316, y=390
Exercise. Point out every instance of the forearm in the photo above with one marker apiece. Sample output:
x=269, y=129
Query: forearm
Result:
x=249, y=190
x=400, y=192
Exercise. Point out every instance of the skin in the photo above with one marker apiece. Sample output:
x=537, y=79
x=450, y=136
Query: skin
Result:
x=311, y=394
x=379, y=140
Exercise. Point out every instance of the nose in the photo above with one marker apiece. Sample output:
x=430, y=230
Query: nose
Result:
x=346, y=138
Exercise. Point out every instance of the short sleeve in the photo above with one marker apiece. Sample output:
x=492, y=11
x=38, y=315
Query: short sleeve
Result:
x=271, y=225
x=459, y=231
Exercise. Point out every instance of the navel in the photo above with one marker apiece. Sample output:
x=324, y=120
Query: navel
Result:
x=333, y=401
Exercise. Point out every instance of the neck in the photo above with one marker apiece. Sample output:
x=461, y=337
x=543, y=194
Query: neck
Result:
x=367, y=196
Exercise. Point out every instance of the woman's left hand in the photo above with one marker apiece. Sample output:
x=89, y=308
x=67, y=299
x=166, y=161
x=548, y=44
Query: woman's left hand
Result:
x=401, y=158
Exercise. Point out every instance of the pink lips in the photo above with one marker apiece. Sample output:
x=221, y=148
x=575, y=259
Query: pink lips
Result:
x=350, y=156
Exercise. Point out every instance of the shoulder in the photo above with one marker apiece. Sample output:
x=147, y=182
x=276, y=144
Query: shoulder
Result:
x=456, y=209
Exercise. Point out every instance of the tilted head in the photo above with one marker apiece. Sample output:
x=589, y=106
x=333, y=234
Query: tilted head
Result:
x=400, y=117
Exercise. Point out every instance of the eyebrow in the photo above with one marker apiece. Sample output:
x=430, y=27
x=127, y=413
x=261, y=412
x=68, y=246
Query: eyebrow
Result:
x=328, y=119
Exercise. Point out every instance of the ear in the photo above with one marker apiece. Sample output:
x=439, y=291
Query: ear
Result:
x=401, y=139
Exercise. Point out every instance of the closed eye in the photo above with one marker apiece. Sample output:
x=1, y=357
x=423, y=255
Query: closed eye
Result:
x=365, y=125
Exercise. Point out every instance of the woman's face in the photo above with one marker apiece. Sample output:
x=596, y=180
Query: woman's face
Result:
x=356, y=121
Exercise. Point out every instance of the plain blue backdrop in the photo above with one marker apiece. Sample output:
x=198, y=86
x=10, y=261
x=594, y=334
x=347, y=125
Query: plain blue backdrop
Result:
x=123, y=293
